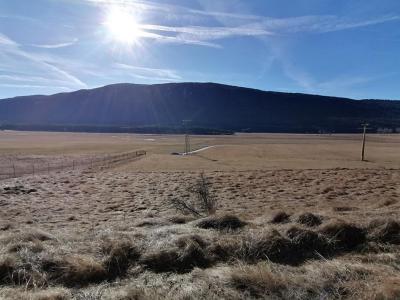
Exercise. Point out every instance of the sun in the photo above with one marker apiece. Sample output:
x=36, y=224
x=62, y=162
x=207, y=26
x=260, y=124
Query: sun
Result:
x=122, y=26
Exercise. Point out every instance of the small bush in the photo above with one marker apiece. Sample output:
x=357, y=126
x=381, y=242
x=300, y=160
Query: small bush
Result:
x=203, y=204
x=221, y=222
x=280, y=217
x=309, y=219
x=344, y=236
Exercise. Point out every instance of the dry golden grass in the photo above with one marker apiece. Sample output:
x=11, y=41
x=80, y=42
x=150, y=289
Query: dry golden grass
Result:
x=113, y=234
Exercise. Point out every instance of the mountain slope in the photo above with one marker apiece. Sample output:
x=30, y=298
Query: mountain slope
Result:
x=207, y=105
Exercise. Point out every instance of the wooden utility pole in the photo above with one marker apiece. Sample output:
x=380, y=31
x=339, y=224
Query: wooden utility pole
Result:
x=187, y=139
x=365, y=126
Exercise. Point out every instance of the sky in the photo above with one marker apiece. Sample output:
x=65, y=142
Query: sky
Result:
x=347, y=48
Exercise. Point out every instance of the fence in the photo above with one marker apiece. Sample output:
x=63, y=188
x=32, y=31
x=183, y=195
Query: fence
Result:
x=18, y=169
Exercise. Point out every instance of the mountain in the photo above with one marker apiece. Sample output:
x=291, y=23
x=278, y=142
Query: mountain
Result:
x=162, y=107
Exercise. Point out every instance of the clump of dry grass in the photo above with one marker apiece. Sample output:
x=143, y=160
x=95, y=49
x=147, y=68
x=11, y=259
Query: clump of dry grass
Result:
x=135, y=293
x=385, y=231
x=271, y=245
x=119, y=256
x=389, y=290
x=309, y=243
x=34, y=246
x=188, y=253
x=30, y=235
x=7, y=266
x=221, y=222
x=280, y=217
x=76, y=270
x=387, y=202
x=258, y=281
x=309, y=219
x=22, y=268
x=179, y=219
x=345, y=236
x=47, y=294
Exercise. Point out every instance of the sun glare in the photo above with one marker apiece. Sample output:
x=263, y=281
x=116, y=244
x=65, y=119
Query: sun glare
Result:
x=123, y=26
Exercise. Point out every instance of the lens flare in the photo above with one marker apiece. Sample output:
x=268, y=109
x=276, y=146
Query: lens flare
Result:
x=122, y=26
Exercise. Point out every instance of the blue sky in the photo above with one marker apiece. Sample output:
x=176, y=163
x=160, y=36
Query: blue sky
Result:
x=332, y=47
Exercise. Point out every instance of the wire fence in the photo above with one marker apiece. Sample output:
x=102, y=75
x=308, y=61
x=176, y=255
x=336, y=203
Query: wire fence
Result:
x=18, y=169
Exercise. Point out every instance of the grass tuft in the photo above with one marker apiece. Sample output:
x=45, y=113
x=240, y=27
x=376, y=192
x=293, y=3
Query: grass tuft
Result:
x=221, y=222
x=120, y=255
x=345, y=236
x=280, y=217
x=75, y=270
x=309, y=219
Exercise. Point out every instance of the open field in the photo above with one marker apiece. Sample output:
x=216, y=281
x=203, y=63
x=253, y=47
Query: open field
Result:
x=112, y=233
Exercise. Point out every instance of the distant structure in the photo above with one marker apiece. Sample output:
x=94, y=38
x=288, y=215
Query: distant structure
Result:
x=187, y=138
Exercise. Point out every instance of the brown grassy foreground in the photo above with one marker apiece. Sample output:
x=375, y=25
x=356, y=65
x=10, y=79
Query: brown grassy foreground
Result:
x=282, y=231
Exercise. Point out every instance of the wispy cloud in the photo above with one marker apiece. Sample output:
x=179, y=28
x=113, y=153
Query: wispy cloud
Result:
x=30, y=86
x=245, y=24
x=143, y=72
x=5, y=41
x=59, y=45
x=41, y=72
x=321, y=24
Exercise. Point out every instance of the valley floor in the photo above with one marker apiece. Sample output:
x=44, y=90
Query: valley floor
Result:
x=289, y=224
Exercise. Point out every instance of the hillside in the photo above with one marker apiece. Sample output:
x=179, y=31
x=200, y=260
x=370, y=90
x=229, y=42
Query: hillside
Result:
x=162, y=107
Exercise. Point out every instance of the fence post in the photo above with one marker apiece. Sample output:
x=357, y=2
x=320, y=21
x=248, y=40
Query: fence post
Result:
x=73, y=164
x=14, y=170
x=48, y=168
x=33, y=169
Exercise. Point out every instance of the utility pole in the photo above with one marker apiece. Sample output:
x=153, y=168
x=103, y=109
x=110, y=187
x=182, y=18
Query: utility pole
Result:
x=187, y=138
x=365, y=127
x=187, y=143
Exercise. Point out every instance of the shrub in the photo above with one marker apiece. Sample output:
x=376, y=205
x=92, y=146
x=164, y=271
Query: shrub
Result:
x=280, y=217
x=309, y=219
x=344, y=236
x=203, y=204
x=221, y=222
